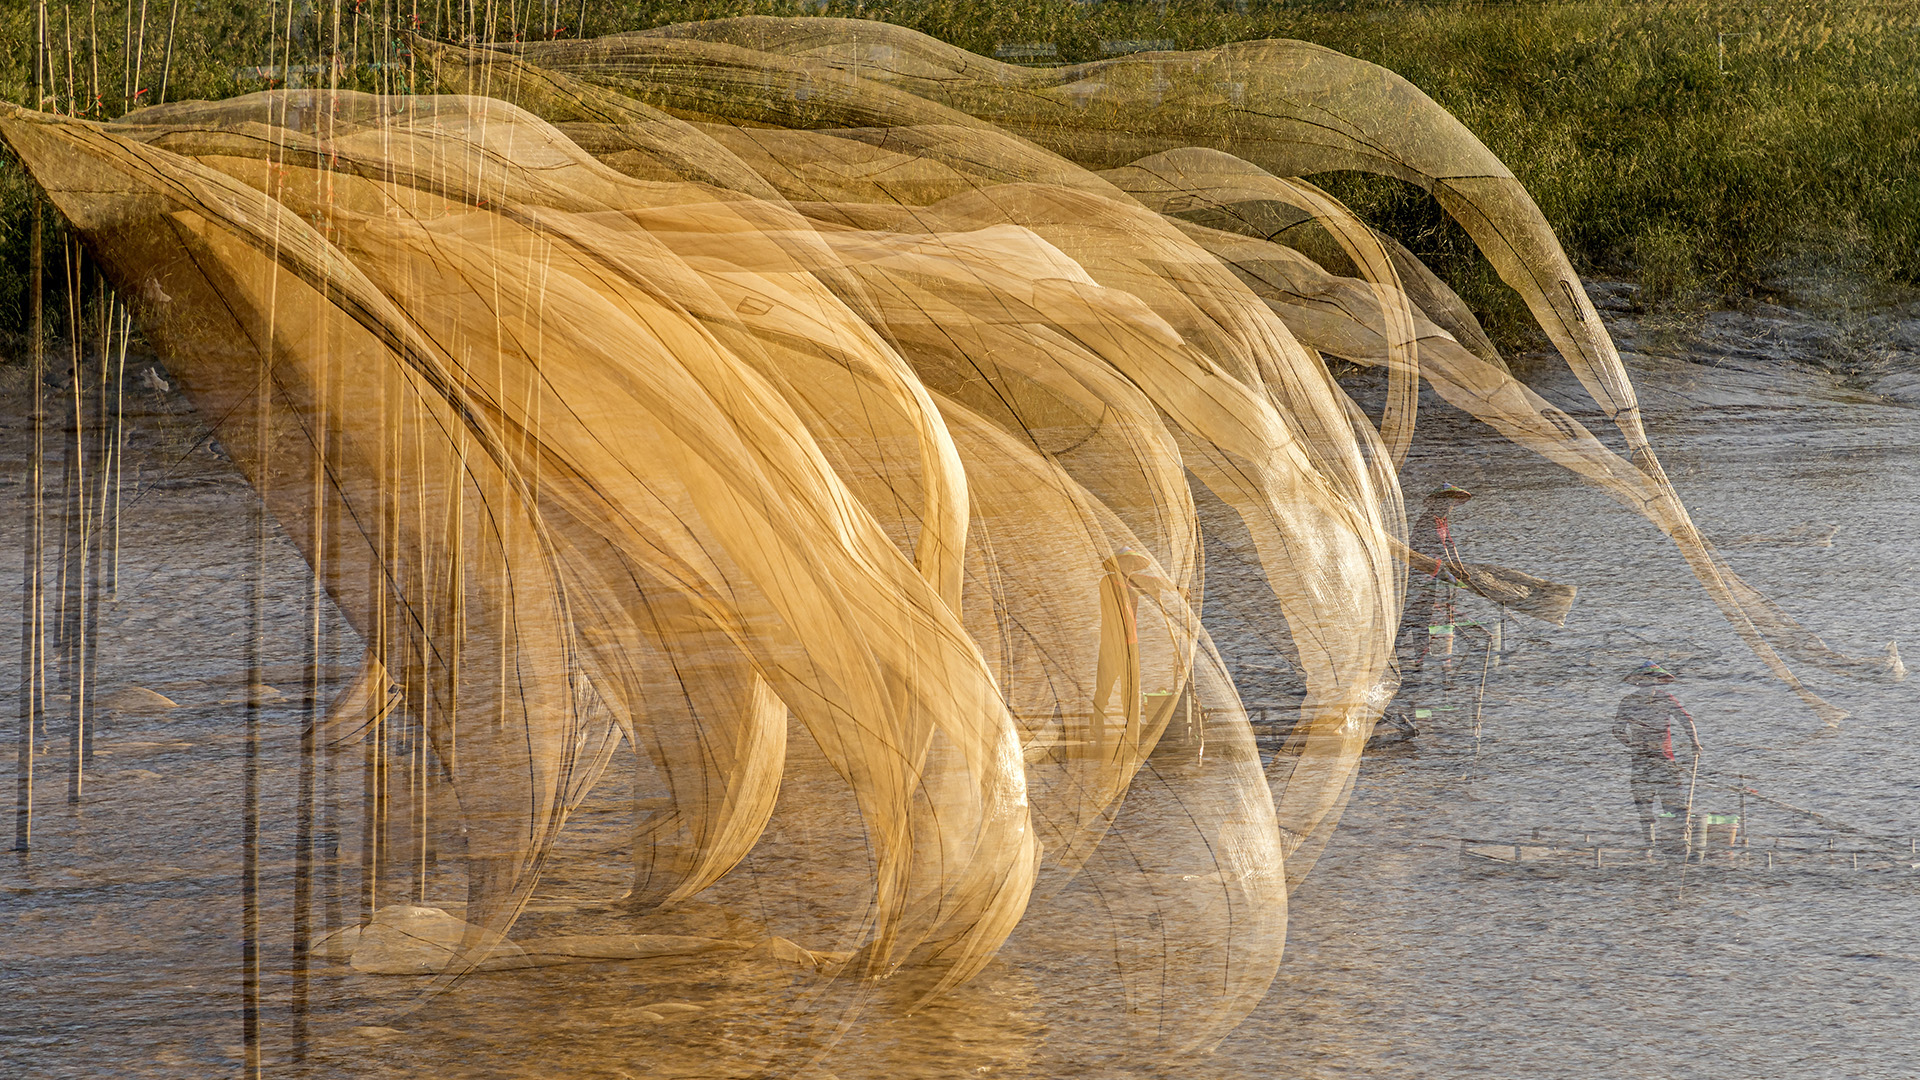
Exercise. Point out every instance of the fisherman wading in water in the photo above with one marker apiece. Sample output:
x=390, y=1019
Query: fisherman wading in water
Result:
x=1425, y=643
x=1665, y=750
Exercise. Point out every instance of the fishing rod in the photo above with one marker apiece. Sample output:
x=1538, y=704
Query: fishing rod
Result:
x=1741, y=788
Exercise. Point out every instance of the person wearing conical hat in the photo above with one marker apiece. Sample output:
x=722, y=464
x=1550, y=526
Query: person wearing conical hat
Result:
x=1429, y=619
x=1128, y=577
x=1663, y=746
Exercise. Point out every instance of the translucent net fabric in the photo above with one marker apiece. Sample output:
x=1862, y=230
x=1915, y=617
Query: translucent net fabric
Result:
x=764, y=380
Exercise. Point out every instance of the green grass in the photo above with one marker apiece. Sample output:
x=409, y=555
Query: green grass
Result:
x=1654, y=154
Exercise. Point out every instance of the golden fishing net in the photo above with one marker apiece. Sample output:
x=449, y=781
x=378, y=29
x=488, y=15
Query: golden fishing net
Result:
x=762, y=390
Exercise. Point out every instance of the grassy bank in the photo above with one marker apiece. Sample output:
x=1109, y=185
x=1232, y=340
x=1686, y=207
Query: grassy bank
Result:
x=1702, y=146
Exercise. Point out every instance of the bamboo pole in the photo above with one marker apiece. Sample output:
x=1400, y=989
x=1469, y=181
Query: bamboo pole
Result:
x=250, y=797
x=250, y=834
x=94, y=514
x=333, y=66
x=74, y=589
x=369, y=819
x=32, y=678
x=303, y=840
x=333, y=396
x=286, y=51
x=139, y=57
x=166, y=63
x=376, y=854
x=417, y=817
x=1693, y=777
x=329, y=841
x=1480, y=698
x=61, y=600
x=117, y=448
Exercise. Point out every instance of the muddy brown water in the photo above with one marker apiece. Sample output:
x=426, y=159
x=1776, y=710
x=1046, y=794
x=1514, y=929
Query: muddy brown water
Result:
x=119, y=934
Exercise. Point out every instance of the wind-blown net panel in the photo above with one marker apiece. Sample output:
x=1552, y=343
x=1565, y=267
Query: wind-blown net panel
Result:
x=676, y=385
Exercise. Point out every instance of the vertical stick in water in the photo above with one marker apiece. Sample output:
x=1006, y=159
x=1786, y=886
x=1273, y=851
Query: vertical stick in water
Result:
x=250, y=844
x=316, y=711
x=417, y=823
x=74, y=278
x=1746, y=836
x=62, y=600
x=303, y=825
x=118, y=447
x=333, y=54
x=31, y=680
x=250, y=798
x=74, y=598
x=369, y=833
x=378, y=848
x=332, y=396
x=328, y=842
x=95, y=551
x=370, y=789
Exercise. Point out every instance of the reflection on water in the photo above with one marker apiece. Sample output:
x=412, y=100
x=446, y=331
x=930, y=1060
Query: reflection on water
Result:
x=1571, y=951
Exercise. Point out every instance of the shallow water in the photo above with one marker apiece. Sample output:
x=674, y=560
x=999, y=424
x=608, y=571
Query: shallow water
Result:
x=1405, y=957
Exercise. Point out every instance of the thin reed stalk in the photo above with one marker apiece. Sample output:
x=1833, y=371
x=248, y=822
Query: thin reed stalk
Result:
x=139, y=57
x=333, y=51
x=126, y=56
x=94, y=105
x=166, y=63
x=66, y=18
